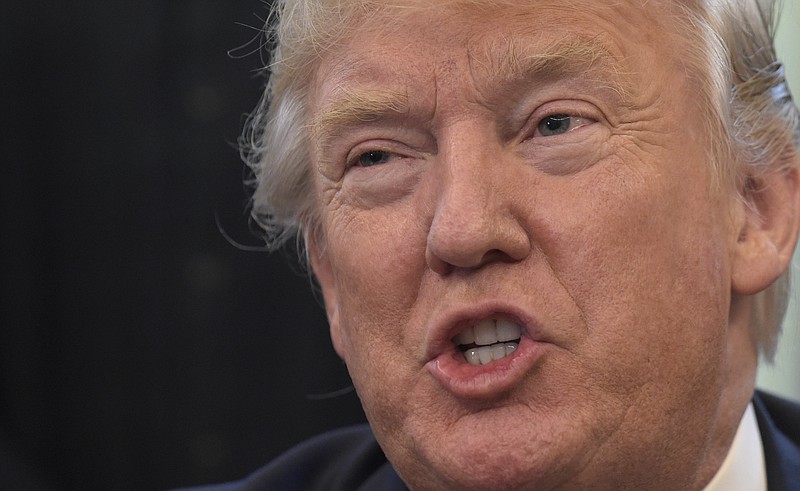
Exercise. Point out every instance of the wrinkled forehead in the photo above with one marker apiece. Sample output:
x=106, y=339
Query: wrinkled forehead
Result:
x=494, y=32
x=474, y=18
x=504, y=40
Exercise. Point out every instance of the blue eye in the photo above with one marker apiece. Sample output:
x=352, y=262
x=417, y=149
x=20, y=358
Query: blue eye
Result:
x=373, y=157
x=556, y=124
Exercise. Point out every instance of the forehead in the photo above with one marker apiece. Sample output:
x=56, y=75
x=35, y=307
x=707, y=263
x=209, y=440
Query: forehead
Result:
x=499, y=41
x=475, y=24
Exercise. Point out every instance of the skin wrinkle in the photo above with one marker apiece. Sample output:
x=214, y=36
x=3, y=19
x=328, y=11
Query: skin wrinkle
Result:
x=639, y=128
x=596, y=455
x=581, y=313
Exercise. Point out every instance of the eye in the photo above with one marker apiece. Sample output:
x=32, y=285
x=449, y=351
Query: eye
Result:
x=558, y=124
x=372, y=157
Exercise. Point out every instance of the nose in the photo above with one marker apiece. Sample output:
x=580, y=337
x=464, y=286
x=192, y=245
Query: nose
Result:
x=476, y=220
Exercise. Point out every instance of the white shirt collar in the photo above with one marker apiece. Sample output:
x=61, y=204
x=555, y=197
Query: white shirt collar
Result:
x=743, y=469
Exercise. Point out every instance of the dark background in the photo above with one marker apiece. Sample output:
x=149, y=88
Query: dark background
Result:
x=138, y=348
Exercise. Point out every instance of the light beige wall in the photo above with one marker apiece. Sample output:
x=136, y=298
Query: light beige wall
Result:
x=784, y=377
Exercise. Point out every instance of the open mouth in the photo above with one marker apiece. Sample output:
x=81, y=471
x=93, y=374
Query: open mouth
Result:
x=489, y=340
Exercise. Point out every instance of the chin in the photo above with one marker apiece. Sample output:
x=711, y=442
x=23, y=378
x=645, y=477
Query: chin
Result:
x=495, y=454
x=494, y=470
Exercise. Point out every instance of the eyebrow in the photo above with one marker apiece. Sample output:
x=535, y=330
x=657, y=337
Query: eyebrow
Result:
x=353, y=107
x=511, y=60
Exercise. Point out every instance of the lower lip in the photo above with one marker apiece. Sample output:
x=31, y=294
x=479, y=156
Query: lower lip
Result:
x=468, y=381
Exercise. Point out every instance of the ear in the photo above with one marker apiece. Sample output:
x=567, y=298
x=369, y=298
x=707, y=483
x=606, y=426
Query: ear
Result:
x=327, y=282
x=768, y=232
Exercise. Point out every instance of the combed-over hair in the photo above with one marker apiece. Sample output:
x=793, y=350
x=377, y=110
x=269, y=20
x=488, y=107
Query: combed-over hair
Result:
x=752, y=120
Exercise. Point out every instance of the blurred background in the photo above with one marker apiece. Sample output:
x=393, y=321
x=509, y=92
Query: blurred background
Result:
x=783, y=377
x=139, y=349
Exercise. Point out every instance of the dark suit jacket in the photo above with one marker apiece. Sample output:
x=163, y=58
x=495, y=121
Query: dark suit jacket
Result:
x=779, y=423
x=351, y=460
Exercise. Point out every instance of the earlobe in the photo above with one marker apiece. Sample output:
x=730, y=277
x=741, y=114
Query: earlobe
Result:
x=324, y=275
x=768, y=232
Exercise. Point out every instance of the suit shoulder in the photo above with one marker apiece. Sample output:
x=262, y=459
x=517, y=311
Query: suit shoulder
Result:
x=779, y=424
x=345, y=459
x=785, y=414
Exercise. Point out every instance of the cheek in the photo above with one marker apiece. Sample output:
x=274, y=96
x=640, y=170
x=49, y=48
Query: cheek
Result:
x=646, y=266
x=378, y=259
x=376, y=254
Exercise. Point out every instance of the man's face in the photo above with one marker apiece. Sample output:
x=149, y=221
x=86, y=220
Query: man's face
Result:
x=545, y=170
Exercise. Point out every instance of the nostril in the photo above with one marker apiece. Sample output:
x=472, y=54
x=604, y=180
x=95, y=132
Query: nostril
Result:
x=442, y=267
x=496, y=255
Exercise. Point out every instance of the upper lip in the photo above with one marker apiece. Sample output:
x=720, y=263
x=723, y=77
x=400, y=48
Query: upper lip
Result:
x=444, y=327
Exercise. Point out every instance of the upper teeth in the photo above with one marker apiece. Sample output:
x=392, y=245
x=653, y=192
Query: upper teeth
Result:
x=488, y=332
x=492, y=339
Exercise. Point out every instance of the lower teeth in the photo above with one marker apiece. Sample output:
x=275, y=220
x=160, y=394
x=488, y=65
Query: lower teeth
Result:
x=486, y=354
